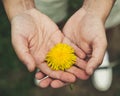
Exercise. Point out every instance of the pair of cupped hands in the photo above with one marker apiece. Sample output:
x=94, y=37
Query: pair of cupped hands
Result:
x=34, y=34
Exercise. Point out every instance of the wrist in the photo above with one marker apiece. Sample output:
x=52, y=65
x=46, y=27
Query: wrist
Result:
x=98, y=8
x=16, y=7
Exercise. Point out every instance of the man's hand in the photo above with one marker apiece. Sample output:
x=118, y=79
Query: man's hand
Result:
x=88, y=33
x=86, y=29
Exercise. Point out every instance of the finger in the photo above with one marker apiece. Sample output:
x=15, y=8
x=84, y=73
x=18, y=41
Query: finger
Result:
x=45, y=82
x=78, y=73
x=60, y=75
x=39, y=75
x=85, y=47
x=81, y=63
x=57, y=84
x=54, y=84
x=78, y=51
x=96, y=59
x=21, y=48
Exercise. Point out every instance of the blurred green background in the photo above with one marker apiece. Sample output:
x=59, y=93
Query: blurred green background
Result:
x=15, y=80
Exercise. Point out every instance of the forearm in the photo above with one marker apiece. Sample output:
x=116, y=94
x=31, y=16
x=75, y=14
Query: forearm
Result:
x=99, y=8
x=15, y=7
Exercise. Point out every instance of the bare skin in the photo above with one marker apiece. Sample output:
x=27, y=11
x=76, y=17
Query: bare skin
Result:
x=88, y=33
x=34, y=34
x=86, y=29
x=32, y=40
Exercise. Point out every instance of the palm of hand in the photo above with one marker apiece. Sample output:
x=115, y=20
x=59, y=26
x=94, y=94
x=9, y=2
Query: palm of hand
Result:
x=38, y=32
x=87, y=31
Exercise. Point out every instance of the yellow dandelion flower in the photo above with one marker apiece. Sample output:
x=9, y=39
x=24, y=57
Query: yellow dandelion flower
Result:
x=61, y=57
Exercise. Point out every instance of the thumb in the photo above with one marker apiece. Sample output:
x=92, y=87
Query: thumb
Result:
x=96, y=58
x=21, y=48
